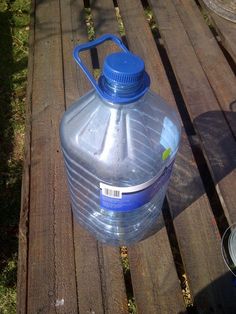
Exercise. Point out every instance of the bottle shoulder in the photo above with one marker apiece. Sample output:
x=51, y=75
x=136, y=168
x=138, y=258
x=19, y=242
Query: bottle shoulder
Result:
x=120, y=143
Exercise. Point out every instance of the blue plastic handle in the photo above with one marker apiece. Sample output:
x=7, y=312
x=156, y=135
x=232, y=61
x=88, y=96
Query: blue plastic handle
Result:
x=90, y=45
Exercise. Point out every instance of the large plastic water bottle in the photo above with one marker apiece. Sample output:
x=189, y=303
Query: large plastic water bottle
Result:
x=119, y=143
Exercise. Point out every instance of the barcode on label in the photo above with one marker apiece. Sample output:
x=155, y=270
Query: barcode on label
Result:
x=111, y=193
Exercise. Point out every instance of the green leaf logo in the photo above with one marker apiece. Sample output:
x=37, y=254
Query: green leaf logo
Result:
x=166, y=154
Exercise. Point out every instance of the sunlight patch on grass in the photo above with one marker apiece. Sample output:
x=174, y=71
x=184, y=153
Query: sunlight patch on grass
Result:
x=14, y=29
x=120, y=22
x=8, y=288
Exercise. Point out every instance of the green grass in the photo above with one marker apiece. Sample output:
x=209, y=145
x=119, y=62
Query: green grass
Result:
x=205, y=13
x=132, y=309
x=14, y=21
x=120, y=22
x=151, y=20
x=89, y=23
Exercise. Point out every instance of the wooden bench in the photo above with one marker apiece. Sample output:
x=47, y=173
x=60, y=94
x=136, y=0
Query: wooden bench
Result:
x=62, y=268
x=225, y=28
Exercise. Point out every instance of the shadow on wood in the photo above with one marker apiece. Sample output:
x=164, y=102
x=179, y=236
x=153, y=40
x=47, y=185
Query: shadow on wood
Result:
x=183, y=178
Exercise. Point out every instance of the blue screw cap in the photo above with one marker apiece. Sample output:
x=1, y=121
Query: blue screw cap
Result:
x=123, y=78
x=123, y=68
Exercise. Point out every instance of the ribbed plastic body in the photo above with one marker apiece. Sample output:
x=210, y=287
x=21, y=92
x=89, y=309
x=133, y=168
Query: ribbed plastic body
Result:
x=119, y=145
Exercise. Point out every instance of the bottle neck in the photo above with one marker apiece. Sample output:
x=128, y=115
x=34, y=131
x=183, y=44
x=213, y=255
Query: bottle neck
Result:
x=123, y=93
x=115, y=89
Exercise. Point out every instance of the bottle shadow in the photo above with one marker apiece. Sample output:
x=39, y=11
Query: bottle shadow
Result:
x=186, y=186
x=226, y=302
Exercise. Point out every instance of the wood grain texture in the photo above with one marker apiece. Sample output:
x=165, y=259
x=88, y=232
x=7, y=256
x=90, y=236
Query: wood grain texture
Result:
x=148, y=302
x=114, y=295
x=115, y=299
x=68, y=271
x=88, y=278
x=25, y=190
x=104, y=19
x=227, y=32
x=100, y=280
x=212, y=59
x=198, y=237
x=194, y=222
x=155, y=282
x=51, y=269
x=216, y=136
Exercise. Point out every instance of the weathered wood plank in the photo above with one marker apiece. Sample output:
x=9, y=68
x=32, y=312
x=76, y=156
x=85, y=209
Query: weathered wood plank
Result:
x=213, y=62
x=227, y=32
x=115, y=299
x=148, y=302
x=226, y=29
x=155, y=282
x=104, y=22
x=97, y=265
x=179, y=52
x=194, y=222
x=89, y=286
x=199, y=239
x=25, y=190
x=208, y=119
x=51, y=269
x=114, y=295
